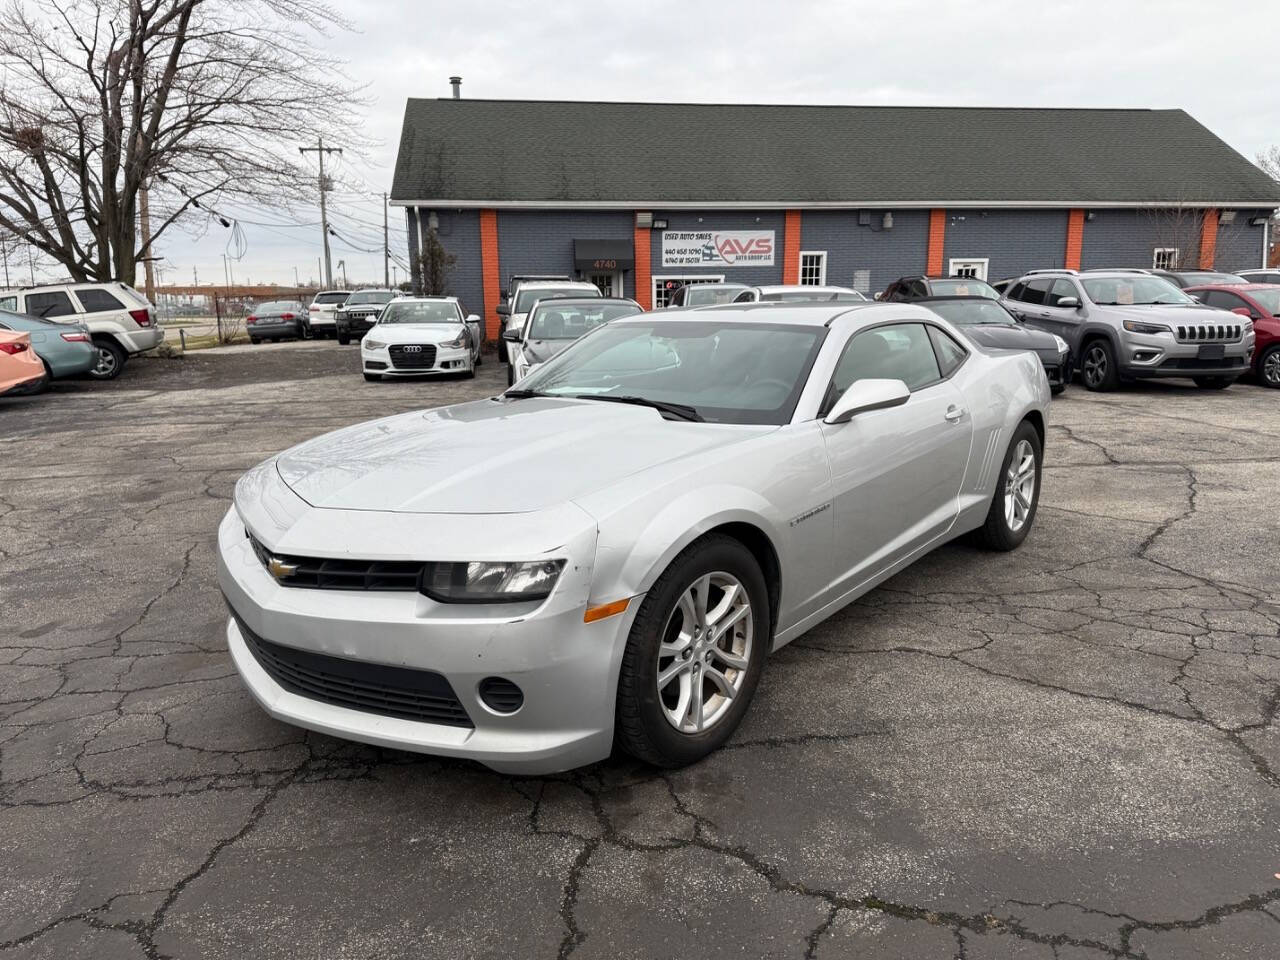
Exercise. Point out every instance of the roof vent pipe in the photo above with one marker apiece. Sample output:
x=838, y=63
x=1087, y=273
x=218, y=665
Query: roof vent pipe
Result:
x=457, y=87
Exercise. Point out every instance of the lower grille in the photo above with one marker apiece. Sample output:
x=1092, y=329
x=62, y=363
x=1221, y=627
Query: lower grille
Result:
x=420, y=695
x=413, y=356
x=1209, y=333
x=1195, y=363
x=328, y=574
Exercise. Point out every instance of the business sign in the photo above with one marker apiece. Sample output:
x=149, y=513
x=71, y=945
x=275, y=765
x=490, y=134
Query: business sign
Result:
x=717, y=248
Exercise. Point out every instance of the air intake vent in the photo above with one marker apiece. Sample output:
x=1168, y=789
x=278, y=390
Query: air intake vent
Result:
x=501, y=695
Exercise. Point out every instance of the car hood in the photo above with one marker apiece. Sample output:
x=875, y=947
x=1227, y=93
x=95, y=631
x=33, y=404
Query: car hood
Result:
x=415, y=332
x=493, y=456
x=1172, y=313
x=1011, y=338
x=540, y=351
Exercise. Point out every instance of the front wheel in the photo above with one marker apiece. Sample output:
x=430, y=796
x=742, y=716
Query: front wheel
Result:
x=694, y=655
x=111, y=358
x=1269, y=368
x=1057, y=389
x=1214, y=383
x=1098, y=366
x=1013, y=508
x=343, y=339
x=502, y=352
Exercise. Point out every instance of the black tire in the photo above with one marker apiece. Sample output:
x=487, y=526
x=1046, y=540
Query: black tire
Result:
x=469, y=373
x=255, y=340
x=1059, y=388
x=502, y=352
x=111, y=359
x=373, y=377
x=1098, y=369
x=997, y=533
x=1269, y=367
x=642, y=728
x=511, y=375
x=1214, y=383
x=343, y=339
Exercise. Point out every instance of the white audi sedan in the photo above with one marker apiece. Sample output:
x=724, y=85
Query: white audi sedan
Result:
x=612, y=549
x=417, y=335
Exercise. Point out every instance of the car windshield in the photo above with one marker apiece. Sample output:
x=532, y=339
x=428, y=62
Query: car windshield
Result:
x=560, y=321
x=369, y=296
x=972, y=312
x=964, y=287
x=278, y=306
x=331, y=297
x=708, y=294
x=528, y=296
x=805, y=296
x=722, y=371
x=1268, y=300
x=1137, y=290
x=421, y=311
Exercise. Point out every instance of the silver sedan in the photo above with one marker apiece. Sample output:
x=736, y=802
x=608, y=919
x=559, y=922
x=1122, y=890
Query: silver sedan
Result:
x=609, y=552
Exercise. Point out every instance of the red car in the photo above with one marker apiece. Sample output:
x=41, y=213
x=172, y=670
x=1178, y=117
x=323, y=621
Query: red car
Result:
x=1261, y=303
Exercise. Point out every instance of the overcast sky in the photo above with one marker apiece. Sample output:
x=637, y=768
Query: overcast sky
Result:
x=1219, y=61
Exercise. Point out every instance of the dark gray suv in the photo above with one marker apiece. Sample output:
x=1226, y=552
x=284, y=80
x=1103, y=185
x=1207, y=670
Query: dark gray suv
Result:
x=1126, y=326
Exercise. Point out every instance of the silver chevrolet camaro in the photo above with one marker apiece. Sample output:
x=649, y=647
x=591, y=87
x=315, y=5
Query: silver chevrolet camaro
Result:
x=611, y=550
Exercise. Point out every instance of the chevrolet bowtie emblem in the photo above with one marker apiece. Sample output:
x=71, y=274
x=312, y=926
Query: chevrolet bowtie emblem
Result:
x=280, y=570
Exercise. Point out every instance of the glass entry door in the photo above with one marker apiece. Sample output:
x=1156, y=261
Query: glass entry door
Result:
x=610, y=284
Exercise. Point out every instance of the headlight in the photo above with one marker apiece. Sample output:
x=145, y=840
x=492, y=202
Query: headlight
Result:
x=1062, y=344
x=461, y=341
x=1135, y=326
x=374, y=344
x=486, y=582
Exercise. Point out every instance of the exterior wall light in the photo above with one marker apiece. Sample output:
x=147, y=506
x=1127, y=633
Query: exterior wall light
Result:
x=887, y=222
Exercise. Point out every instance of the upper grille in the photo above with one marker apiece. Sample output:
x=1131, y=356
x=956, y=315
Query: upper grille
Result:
x=421, y=695
x=405, y=358
x=329, y=574
x=1209, y=333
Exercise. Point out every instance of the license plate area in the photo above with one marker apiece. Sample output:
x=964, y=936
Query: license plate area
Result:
x=1211, y=351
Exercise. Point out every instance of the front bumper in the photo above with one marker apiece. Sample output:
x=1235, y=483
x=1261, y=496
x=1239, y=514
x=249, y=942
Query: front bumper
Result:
x=1057, y=367
x=447, y=360
x=566, y=669
x=355, y=326
x=266, y=330
x=1146, y=356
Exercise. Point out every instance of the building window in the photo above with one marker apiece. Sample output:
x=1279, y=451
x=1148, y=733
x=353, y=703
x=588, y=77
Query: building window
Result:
x=1164, y=258
x=969, y=267
x=667, y=284
x=813, y=268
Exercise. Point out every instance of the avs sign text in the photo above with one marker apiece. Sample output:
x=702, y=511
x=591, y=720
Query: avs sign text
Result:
x=717, y=248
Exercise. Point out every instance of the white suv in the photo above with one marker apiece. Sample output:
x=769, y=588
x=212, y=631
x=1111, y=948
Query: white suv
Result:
x=324, y=311
x=528, y=292
x=121, y=321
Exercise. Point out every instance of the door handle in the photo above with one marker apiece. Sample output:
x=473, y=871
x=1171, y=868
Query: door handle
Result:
x=954, y=413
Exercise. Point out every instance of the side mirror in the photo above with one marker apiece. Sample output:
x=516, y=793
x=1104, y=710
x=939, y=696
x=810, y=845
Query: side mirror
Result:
x=1069, y=303
x=514, y=335
x=473, y=318
x=503, y=310
x=1243, y=311
x=866, y=395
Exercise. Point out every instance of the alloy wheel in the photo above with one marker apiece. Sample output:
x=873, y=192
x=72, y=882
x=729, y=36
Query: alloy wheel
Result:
x=1019, y=486
x=106, y=365
x=1095, y=365
x=1271, y=368
x=704, y=652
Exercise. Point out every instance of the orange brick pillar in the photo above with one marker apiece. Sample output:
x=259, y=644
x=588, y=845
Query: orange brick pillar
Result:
x=1075, y=239
x=1208, y=238
x=489, y=273
x=937, y=235
x=791, y=247
x=644, y=271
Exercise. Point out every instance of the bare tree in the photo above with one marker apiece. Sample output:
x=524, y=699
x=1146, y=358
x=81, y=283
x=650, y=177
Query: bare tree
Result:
x=1179, y=228
x=203, y=100
x=436, y=263
x=1269, y=161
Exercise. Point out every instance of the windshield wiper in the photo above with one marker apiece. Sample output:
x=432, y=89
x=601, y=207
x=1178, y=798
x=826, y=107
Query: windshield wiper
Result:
x=524, y=394
x=678, y=410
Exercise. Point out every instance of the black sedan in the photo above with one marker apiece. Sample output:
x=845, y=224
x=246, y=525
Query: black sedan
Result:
x=988, y=323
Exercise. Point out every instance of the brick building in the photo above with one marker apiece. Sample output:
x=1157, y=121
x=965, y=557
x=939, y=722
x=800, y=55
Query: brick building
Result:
x=640, y=197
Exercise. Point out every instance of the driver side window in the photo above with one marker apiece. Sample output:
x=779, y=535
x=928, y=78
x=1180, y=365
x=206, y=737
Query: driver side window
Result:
x=901, y=351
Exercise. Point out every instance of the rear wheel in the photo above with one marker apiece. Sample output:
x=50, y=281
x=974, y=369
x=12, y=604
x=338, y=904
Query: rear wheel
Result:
x=1013, y=508
x=1057, y=389
x=1098, y=366
x=694, y=655
x=1214, y=383
x=111, y=359
x=1269, y=368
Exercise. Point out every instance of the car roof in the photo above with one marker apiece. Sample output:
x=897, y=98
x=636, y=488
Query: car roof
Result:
x=812, y=288
x=557, y=283
x=1234, y=287
x=318, y=292
x=592, y=301
x=425, y=298
x=957, y=298
x=800, y=313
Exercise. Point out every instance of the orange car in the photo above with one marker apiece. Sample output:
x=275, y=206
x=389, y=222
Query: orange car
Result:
x=20, y=369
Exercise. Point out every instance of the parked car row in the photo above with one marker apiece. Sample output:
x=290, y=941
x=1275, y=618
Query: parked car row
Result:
x=53, y=331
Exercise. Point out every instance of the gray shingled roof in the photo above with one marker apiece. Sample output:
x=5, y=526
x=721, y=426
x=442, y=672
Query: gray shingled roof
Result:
x=655, y=153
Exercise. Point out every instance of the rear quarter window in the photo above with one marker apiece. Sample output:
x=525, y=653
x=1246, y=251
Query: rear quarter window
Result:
x=96, y=301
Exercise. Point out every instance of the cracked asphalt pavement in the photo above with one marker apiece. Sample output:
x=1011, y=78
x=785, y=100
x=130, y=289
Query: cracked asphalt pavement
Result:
x=1063, y=753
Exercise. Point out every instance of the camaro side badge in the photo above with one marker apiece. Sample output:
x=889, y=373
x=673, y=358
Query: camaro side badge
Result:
x=280, y=570
x=811, y=513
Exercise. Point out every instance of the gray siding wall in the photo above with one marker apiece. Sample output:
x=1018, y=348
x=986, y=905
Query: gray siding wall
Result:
x=888, y=254
x=1127, y=238
x=1119, y=238
x=459, y=231
x=722, y=220
x=541, y=241
x=1240, y=245
x=1014, y=241
x=411, y=229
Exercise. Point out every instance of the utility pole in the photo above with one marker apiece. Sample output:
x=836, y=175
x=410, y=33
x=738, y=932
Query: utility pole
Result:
x=31, y=262
x=144, y=218
x=342, y=265
x=386, y=250
x=320, y=273
x=4, y=248
x=320, y=150
x=394, y=279
x=297, y=284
